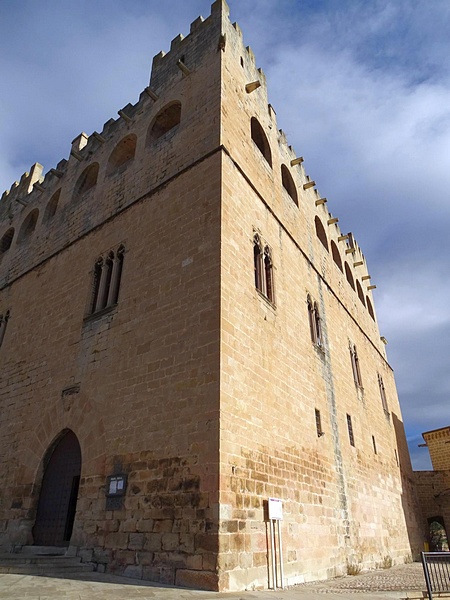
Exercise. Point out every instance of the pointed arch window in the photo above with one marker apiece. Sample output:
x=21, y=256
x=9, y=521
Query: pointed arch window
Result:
x=260, y=139
x=28, y=226
x=370, y=307
x=360, y=293
x=268, y=272
x=336, y=256
x=122, y=154
x=106, y=280
x=263, y=268
x=315, y=325
x=320, y=232
x=355, y=365
x=6, y=241
x=167, y=118
x=87, y=180
x=288, y=183
x=349, y=276
x=52, y=206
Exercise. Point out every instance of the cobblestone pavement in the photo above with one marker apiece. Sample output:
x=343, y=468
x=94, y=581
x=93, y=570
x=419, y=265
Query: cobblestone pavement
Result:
x=392, y=584
x=399, y=578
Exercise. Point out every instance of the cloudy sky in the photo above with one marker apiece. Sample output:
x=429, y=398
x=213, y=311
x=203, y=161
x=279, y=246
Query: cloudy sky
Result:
x=362, y=90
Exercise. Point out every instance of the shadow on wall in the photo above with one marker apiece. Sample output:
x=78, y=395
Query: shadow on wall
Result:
x=415, y=524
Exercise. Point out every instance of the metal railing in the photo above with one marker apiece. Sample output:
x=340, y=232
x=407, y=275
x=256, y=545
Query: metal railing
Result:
x=436, y=568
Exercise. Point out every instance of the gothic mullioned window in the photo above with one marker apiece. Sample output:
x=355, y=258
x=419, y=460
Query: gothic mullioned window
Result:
x=263, y=268
x=3, y=323
x=107, y=276
x=355, y=365
x=315, y=325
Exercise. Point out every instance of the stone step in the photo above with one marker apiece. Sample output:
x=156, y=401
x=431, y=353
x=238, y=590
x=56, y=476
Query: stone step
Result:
x=48, y=550
x=43, y=560
x=48, y=570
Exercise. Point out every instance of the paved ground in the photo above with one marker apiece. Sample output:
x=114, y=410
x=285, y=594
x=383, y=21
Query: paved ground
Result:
x=399, y=582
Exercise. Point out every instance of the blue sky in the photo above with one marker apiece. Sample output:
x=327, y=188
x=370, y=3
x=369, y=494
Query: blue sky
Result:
x=362, y=90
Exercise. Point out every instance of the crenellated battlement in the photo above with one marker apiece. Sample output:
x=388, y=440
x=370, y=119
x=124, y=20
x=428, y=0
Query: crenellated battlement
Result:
x=209, y=39
x=185, y=53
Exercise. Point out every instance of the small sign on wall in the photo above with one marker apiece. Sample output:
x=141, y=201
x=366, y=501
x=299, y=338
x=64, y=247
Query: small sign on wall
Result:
x=275, y=506
x=115, y=490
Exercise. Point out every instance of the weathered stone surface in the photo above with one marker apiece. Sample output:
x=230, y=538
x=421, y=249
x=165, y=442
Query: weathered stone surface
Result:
x=202, y=580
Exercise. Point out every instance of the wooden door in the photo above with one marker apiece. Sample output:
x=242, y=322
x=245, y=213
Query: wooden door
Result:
x=59, y=492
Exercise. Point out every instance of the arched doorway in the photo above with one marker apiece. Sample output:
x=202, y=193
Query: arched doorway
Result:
x=438, y=535
x=59, y=492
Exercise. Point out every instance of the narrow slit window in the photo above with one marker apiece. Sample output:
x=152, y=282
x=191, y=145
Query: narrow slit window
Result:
x=350, y=430
x=315, y=324
x=383, y=394
x=318, y=423
x=374, y=445
x=3, y=323
x=355, y=365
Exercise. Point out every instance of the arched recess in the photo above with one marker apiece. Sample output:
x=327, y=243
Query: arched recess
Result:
x=52, y=206
x=28, y=226
x=59, y=492
x=86, y=180
x=336, y=256
x=6, y=241
x=370, y=307
x=288, y=183
x=349, y=275
x=360, y=292
x=438, y=535
x=122, y=153
x=260, y=139
x=167, y=118
x=320, y=231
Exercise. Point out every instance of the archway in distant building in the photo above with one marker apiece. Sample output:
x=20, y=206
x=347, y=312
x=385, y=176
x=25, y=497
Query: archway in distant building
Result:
x=59, y=491
x=438, y=535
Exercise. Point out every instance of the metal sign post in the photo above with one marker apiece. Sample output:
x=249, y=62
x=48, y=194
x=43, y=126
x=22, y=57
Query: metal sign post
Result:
x=275, y=506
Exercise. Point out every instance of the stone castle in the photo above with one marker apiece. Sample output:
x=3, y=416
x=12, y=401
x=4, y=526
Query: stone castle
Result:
x=186, y=333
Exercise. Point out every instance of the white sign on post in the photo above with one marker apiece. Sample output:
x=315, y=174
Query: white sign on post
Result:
x=275, y=509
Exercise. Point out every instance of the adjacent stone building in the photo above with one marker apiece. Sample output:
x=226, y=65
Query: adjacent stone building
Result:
x=433, y=488
x=185, y=333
